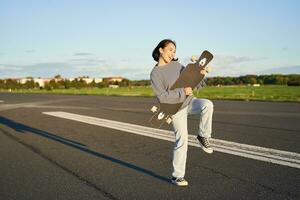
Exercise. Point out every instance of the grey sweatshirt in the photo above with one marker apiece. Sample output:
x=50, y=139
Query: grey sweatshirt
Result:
x=163, y=77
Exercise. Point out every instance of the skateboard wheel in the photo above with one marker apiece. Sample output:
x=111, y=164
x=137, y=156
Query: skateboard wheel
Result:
x=194, y=58
x=169, y=120
x=154, y=109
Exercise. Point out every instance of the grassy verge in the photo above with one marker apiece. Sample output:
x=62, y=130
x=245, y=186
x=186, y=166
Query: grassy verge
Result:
x=248, y=93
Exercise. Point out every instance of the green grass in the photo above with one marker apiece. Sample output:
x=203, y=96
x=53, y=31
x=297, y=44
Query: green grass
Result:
x=123, y=91
x=248, y=93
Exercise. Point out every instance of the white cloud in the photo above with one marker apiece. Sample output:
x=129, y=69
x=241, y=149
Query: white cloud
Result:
x=233, y=60
x=96, y=67
x=83, y=54
x=10, y=68
x=228, y=65
x=87, y=61
x=89, y=69
x=92, y=68
x=282, y=70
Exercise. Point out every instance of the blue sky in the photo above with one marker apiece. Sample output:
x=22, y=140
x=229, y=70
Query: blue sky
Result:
x=43, y=38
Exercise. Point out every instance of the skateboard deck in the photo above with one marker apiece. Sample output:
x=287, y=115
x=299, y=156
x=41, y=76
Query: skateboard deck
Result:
x=189, y=77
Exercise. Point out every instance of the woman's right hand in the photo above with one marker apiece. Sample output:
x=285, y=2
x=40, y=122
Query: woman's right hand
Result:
x=188, y=91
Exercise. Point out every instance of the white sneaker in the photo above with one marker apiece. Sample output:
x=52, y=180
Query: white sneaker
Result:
x=204, y=144
x=179, y=181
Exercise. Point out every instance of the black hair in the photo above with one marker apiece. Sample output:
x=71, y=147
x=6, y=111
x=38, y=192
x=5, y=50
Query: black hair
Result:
x=162, y=44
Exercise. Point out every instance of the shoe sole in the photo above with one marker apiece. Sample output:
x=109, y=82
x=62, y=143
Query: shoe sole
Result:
x=205, y=149
x=182, y=184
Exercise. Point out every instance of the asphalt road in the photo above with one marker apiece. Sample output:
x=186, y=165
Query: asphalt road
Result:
x=47, y=157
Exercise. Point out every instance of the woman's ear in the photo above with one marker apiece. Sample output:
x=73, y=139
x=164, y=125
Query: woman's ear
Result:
x=160, y=50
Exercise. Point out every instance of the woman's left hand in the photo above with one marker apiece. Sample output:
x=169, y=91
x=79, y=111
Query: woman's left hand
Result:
x=206, y=70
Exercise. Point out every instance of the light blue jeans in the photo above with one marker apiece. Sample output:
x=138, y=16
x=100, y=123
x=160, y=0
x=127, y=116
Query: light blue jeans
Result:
x=201, y=107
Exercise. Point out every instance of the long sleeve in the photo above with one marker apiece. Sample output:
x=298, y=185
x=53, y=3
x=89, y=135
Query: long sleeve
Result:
x=163, y=94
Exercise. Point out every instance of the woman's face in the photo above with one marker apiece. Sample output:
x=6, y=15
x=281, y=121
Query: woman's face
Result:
x=167, y=53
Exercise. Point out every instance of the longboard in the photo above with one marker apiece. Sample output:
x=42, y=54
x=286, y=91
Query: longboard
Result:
x=189, y=77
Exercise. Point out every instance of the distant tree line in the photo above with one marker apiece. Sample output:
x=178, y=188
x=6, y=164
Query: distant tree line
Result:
x=274, y=79
x=290, y=80
x=13, y=84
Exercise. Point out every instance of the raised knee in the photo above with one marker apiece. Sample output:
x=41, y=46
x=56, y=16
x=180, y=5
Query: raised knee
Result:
x=209, y=104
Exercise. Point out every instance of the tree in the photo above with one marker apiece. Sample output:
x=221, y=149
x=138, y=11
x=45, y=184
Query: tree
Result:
x=294, y=80
x=53, y=84
x=67, y=84
x=125, y=83
x=12, y=84
x=2, y=84
x=92, y=84
x=58, y=76
x=29, y=84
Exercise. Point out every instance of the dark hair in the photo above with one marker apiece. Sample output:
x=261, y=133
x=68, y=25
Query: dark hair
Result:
x=162, y=44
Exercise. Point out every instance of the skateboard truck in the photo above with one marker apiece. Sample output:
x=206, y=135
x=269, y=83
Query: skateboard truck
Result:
x=208, y=69
x=202, y=62
x=160, y=116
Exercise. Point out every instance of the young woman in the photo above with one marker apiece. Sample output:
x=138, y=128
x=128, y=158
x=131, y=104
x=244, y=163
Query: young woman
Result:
x=163, y=76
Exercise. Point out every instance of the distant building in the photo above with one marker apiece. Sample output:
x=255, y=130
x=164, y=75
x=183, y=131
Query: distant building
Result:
x=19, y=80
x=113, y=86
x=87, y=80
x=114, y=79
x=42, y=81
x=14, y=79
x=23, y=80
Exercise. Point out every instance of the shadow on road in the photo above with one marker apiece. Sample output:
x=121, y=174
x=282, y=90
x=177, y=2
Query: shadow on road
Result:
x=21, y=128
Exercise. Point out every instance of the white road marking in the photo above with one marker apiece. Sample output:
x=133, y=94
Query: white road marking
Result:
x=31, y=104
x=285, y=158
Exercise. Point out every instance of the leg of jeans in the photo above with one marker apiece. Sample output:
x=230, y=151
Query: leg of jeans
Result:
x=181, y=143
x=204, y=108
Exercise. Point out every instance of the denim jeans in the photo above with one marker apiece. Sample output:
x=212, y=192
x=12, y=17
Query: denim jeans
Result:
x=201, y=107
